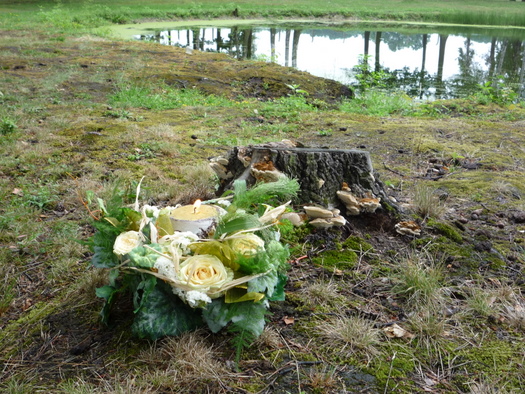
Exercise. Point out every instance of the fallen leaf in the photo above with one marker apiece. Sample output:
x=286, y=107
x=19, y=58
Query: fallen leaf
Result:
x=18, y=192
x=288, y=320
x=396, y=331
x=27, y=304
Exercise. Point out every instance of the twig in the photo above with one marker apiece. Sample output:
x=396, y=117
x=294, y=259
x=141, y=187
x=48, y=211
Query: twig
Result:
x=389, y=372
x=84, y=203
x=394, y=171
x=300, y=258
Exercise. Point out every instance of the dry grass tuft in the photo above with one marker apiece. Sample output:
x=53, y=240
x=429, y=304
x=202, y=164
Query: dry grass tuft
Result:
x=189, y=362
x=321, y=294
x=322, y=379
x=506, y=189
x=351, y=335
x=269, y=338
x=419, y=281
x=503, y=302
x=485, y=388
x=426, y=202
x=429, y=326
x=512, y=307
x=480, y=302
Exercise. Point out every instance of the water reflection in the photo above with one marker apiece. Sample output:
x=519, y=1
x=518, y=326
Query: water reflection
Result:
x=424, y=65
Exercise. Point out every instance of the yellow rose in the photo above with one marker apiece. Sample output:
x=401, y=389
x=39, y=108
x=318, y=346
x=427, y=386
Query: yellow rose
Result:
x=205, y=273
x=126, y=242
x=246, y=244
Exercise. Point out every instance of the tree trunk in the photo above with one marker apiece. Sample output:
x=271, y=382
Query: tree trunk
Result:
x=320, y=172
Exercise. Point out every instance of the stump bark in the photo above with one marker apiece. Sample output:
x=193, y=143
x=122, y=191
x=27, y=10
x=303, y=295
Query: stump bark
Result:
x=320, y=172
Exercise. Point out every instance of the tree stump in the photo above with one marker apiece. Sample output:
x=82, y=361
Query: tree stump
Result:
x=321, y=173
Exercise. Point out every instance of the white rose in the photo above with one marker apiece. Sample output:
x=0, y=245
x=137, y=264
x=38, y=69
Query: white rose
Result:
x=205, y=273
x=126, y=242
x=246, y=244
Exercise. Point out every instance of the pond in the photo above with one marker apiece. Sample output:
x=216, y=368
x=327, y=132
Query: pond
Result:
x=451, y=62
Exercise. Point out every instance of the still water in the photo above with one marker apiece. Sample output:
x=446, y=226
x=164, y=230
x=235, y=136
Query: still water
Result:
x=424, y=65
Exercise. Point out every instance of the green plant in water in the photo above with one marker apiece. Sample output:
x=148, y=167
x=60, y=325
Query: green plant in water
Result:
x=496, y=92
x=368, y=78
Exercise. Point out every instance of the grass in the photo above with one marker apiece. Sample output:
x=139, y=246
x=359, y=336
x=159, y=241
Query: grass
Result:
x=71, y=14
x=351, y=335
x=418, y=280
x=379, y=103
x=162, y=98
x=67, y=130
x=426, y=203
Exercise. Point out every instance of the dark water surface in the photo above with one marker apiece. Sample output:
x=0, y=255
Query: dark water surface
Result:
x=429, y=65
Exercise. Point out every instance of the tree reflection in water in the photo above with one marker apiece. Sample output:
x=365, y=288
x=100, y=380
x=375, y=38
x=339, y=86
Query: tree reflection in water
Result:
x=436, y=65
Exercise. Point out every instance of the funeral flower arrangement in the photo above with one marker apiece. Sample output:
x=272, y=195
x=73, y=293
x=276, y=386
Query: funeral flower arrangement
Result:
x=221, y=276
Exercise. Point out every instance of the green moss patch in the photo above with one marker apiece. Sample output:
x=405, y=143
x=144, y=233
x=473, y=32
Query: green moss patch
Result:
x=340, y=259
x=445, y=229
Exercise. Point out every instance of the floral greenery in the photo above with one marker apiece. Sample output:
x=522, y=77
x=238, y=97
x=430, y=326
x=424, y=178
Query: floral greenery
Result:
x=180, y=281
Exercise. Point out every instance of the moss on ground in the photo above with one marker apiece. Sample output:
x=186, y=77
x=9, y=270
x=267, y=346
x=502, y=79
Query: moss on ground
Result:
x=445, y=229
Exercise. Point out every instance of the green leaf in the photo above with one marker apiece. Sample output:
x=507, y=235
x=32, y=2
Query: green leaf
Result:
x=264, y=284
x=144, y=257
x=101, y=243
x=248, y=315
x=113, y=275
x=239, y=294
x=277, y=192
x=278, y=292
x=163, y=313
x=218, y=249
x=273, y=258
x=102, y=206
x=278, y=254
x=244, y=222
x=105, y=291
x=143, y=290
x=254, y=264
x=102, y=246
x=163, y=223
x=133, y=219
x=108, y=293
x=241, y=339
